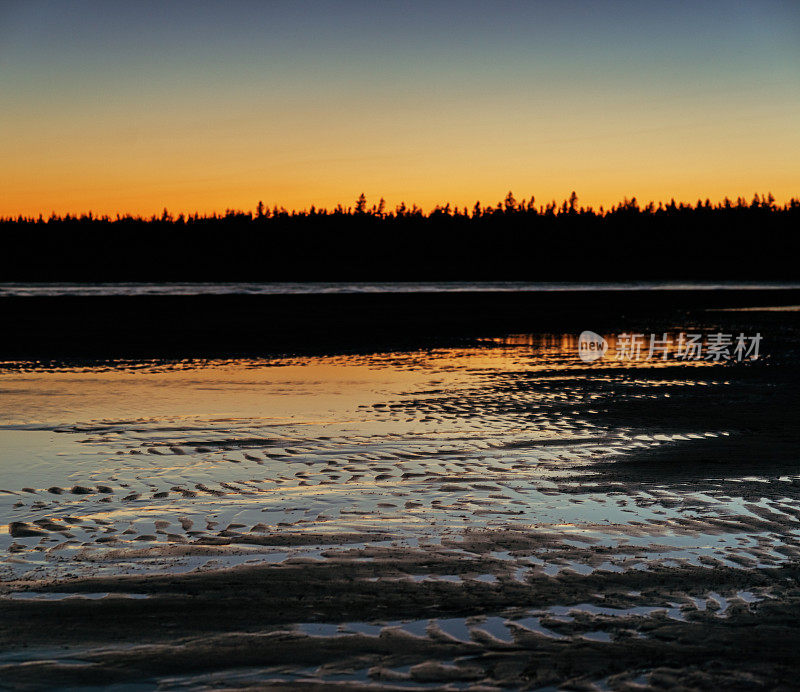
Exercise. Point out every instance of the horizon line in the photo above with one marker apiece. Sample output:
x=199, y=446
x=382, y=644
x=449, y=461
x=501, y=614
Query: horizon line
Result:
x=509, y=203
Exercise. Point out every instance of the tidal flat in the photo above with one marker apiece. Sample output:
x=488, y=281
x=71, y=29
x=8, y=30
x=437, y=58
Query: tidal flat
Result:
x=495, y=515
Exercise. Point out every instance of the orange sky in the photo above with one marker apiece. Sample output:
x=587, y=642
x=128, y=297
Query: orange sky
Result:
x=123, y=114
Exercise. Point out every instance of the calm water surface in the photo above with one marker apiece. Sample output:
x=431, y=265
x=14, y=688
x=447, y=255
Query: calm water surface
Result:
x=316, y=287
x=102, y=460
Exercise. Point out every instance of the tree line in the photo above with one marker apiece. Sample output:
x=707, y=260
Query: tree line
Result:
x=509, y=206
x=511, y=240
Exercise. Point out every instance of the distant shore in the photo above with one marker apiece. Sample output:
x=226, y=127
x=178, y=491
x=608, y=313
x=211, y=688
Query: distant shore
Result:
x=513, y=240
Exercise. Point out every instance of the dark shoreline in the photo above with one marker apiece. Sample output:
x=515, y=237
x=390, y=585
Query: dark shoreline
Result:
x=515, y=239
x=75, y=327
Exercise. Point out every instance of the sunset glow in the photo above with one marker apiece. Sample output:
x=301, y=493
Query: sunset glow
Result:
x=208, y=106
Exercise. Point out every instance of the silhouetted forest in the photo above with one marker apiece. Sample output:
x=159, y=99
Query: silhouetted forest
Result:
x=512, y=240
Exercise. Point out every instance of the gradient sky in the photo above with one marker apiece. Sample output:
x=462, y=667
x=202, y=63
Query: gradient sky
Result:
x=134, y=106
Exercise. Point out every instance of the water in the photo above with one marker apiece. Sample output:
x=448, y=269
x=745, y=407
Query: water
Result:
x=108, y=463
x=287, y=288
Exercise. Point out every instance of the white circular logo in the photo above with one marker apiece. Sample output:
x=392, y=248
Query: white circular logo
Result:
x=591, y=346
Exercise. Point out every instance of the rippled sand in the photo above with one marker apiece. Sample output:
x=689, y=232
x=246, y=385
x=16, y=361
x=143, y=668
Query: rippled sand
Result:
x=500, y=516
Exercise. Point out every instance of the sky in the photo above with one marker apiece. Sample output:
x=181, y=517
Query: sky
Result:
x=130, y=107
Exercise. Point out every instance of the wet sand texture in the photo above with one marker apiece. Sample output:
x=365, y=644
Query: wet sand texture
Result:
x=497, y=517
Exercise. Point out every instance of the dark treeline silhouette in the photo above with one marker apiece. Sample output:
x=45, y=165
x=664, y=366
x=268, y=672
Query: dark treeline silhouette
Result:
x=512, y=240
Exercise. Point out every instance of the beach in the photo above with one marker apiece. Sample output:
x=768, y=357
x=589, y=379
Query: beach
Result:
x=414, y=490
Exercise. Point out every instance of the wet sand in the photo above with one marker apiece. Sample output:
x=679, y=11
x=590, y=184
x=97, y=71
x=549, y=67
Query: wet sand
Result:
x=487, y=516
